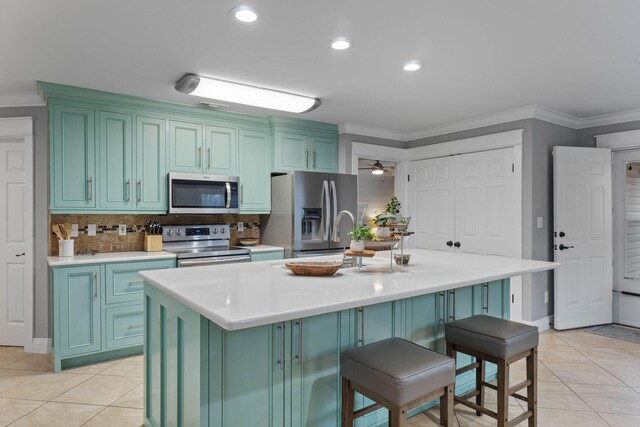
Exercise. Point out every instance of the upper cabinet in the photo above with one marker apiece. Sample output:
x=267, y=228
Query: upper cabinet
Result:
x=111, y=153
x=303, y=145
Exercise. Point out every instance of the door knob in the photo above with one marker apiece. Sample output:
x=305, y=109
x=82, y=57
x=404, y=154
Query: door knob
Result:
x=457, y=244
x=562, y=234
x=563, y=247
x=449, y=243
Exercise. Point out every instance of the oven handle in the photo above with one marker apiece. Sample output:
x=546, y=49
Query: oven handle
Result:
x=228, y=186
x=213, y=261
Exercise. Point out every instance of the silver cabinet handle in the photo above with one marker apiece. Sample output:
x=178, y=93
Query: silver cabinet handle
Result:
x=361, y=326
x=280, y=356
x=90, y=188
x=199, y=156
x=95, y=285
x=452, y=314
x=442, y=307
x=135, y=282
x=298, y=345
x=306, y=157
x=128, y=188
x=135, y=325
x=485, y=297
x=209, y=157
x=241, y=193
x=139, y=190
x=314, y=159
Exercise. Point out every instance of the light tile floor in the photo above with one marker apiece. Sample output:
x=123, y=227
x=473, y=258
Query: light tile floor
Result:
x=584, y=380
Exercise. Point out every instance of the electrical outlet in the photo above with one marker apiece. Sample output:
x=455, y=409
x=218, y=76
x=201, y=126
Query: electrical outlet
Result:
x=540, y=222
x=241, y=226
x=122, y=230
x=546, y=297
x=91, y=229
x=74, y=230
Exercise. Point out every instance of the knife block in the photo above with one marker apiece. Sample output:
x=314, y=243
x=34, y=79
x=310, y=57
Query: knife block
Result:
x=152, y=243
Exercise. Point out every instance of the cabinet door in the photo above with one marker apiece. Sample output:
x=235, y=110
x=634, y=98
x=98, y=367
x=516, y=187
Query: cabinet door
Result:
x=116, y=166
x=495, y=298
x=324, y=154
x=255, y=174
x=151, y=165
x=221, y=154
x=185, y=147
x=73, y=158
x=315, y=369
x=291, y=151
x=77, y=308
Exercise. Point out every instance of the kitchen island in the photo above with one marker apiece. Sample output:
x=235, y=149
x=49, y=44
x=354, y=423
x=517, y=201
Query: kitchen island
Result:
x=254, y=345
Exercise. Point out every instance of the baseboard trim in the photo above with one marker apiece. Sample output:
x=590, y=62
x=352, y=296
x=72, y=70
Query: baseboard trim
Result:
x=542, y=324
x=39, y=345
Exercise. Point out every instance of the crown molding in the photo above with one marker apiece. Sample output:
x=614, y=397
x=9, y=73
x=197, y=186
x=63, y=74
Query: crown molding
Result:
x=20, y=99
x=556, y=117
x=609, y=119
x=372, y=132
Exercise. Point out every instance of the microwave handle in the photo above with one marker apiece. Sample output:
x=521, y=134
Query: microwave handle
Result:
x=228, y=186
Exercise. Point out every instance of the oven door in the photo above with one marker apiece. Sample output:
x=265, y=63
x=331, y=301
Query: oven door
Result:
x=203, y=194
x=199, y=262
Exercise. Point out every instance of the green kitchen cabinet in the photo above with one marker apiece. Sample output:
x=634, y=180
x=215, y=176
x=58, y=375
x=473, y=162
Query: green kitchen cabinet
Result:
x=267, y=256
x=97, y=311
x=221, y=153
x=255, y=173
x=303, y=145
x=76, y=296
x=185, y=147
x=151, y=165
x=72, y=157
x=115, y=172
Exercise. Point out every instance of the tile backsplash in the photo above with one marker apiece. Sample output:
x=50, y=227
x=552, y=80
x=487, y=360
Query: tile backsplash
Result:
x=108, y=240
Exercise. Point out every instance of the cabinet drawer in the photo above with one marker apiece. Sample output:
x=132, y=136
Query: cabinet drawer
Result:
x=124, y=284
x=266, y=256
x=124, y=326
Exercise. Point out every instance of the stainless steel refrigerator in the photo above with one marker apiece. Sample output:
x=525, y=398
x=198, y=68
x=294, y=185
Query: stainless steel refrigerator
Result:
x=304, y=206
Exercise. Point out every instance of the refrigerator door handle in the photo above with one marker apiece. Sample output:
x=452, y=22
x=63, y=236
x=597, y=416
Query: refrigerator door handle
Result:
x=325, y=212
x=334, y=195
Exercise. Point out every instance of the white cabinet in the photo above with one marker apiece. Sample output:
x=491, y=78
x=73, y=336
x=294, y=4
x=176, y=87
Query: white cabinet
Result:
x=465, y=203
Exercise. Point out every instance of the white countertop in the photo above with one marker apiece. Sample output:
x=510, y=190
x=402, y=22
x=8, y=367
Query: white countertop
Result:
x=58, y=261
x=238, y=296
x=264, y=248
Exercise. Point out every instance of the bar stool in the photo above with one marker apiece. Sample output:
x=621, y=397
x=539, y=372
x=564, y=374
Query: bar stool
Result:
x=503, y=342
x=397, y=375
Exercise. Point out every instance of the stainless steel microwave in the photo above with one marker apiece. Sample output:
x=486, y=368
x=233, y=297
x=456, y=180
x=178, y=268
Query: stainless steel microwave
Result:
x=203, y=194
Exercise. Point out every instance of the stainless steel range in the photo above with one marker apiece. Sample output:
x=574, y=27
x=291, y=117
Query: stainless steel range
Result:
x=198, y=245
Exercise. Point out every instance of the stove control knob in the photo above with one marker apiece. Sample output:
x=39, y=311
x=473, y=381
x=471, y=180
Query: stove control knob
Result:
x=170, y=232
x=214, y=230
x=179, y=232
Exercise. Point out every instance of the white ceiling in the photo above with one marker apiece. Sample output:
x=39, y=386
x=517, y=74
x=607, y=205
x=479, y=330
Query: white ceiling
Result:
x=578, y=57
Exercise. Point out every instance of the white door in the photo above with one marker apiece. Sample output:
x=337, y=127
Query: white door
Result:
x=582, y=236
x=626, y=241
x=16, y=233
x=431, y=203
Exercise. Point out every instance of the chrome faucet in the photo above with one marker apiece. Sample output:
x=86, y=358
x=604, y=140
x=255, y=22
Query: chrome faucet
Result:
x=336, y=224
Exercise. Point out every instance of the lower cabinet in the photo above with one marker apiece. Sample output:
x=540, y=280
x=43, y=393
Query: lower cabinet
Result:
x=97, y=311
x=267, y=256
x=286, y=373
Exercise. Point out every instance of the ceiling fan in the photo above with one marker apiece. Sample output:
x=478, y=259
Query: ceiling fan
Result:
x=376, y=168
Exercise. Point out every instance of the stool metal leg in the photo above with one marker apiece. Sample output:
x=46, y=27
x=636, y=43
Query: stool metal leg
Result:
x=347, y=403
x=503, y=393
x=532, y=390
x=446, y=407
x=480, y=377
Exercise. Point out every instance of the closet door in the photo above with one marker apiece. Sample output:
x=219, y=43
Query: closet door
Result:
x=485, y=214
x=431, y=203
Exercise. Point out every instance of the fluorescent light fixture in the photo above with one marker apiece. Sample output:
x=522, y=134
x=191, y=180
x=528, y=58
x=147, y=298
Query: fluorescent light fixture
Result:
x=377, y=168
x=239, y=93
x=244, y=14
x=412, y=66
x=340, y=43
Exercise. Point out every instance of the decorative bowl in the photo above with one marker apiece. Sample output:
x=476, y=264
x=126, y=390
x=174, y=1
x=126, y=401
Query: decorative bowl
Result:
x=247, y=242
x=310, y=268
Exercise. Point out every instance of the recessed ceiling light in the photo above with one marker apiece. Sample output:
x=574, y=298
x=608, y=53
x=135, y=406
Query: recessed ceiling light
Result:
x=340, y=43
x=412, y=66
x=244, y=14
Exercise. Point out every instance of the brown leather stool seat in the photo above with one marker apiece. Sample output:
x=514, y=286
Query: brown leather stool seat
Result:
x=502, y=342
x=398, y=375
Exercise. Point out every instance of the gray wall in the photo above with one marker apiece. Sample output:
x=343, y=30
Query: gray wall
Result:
x=586, y=137
x=344, y=150
x=41, y=180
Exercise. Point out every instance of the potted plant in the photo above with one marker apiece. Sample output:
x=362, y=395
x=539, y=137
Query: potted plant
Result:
x=359, y=234
x=389, y=218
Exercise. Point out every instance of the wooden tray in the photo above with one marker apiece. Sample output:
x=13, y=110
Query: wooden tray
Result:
x=317, y=268
x=380, y=244
x=365, y=253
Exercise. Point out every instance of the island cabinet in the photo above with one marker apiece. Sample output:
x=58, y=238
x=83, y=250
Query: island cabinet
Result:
x=286, y=373
x=98, y=311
